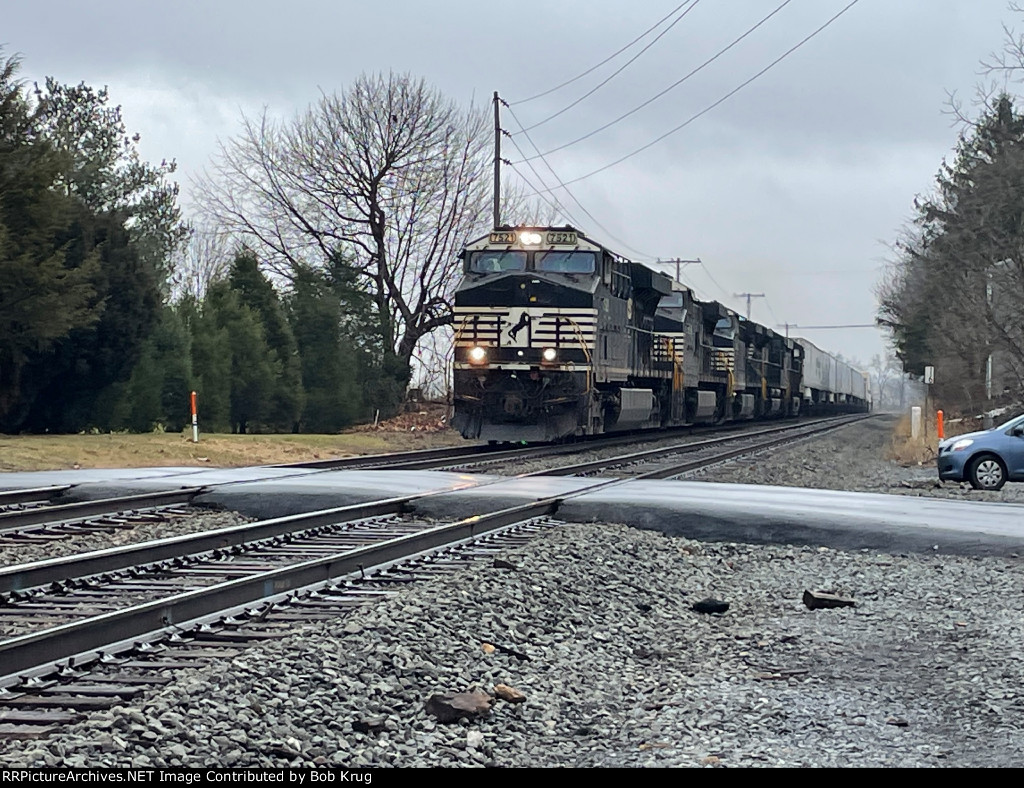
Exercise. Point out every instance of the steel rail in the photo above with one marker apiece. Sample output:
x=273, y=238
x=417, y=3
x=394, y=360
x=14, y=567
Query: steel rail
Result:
x=8, y=497
x=691, y=465
x=75, y=638
x=21, y=577
x=37, y=573
x=12, y=521
x=79, y=638
x=386, y=460
x=651, y=454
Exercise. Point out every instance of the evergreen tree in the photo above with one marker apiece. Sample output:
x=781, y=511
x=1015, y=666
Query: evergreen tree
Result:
x=256, y=292
x=43, y=294
x=86, y=230
x=104, y=170
x=329, y=363
x=253, y=367
x=76, y=376
x=158, y=391
x=382, y=373
x=211, y=367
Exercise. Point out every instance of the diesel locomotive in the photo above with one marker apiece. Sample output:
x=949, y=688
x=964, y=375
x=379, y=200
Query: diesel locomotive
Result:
x=558, y=336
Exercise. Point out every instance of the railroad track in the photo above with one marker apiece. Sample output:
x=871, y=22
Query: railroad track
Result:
x=40, y=514
x=89, y=631
x=673, y=461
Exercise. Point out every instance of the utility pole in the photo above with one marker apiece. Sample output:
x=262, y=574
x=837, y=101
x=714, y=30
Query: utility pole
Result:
x=497, y=161
x=748, y=296
x=789, y=326
x=679, y=265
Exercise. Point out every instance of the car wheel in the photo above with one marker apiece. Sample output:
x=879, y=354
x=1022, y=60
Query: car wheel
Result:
x=987, y=473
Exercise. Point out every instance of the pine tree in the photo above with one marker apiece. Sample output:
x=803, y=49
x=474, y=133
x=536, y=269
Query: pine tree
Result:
x=329, y=363
x=43, y=294
x=256, y=292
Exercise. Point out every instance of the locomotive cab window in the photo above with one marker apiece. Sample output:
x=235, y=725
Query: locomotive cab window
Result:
x=566, y=262
x=496, y=262
x=724, y=329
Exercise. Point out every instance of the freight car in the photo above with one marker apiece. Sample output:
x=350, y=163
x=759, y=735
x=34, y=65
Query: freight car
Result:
x=558, y=336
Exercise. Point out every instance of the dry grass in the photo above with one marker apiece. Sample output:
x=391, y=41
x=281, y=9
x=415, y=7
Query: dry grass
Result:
x=55, y=452
x=923, y=450
x=907, y=451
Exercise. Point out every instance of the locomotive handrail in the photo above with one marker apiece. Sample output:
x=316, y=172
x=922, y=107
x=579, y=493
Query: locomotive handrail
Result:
x=579, y=338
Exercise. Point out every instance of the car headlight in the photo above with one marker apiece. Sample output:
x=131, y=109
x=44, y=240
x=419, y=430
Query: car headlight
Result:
x=477, y=355
x=960, y=445
x=549, y=354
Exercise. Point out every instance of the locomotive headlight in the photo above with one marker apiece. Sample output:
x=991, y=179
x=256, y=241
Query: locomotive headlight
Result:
x=549, y=354
x=528, y=238
x=477, y=355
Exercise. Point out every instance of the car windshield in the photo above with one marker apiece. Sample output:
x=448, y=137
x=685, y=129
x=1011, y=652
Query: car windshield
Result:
x=1011, y=423
x=566, y=262
x=497, y=261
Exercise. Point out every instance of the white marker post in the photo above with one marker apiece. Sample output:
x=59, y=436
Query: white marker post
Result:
x=195, y=420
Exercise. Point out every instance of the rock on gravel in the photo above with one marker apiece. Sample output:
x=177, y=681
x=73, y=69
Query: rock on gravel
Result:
x=619, y=670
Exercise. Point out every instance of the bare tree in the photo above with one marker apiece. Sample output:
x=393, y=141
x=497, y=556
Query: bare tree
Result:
x=204, y=258
x=389, y=173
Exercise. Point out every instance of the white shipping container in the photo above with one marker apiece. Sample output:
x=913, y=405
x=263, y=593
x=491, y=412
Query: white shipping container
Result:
x=819, y=368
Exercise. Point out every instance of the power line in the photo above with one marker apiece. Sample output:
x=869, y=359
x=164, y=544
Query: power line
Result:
x=557, y=205
x=728, y=95
x=671, y=87
x=612, y=56
x=592, y=91
x=722, y=289
x=567, y=190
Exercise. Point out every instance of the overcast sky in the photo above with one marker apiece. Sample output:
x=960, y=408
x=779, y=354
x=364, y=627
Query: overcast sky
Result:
x=794, y=187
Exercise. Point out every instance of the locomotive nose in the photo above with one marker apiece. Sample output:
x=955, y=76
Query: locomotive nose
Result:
x=512, y=404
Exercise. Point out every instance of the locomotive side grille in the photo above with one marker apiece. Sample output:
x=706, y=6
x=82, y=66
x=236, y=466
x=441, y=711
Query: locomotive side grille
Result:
x=719, y=359
x=668, y=347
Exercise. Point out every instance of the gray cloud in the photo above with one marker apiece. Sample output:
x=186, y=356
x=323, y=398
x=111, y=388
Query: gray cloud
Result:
x=792, y=187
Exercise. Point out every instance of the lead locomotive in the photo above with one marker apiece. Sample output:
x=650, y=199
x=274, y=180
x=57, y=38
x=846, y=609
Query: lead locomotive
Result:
x=557, y=336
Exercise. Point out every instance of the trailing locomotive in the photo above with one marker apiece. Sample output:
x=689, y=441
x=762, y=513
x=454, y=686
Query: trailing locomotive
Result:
x=558, y=336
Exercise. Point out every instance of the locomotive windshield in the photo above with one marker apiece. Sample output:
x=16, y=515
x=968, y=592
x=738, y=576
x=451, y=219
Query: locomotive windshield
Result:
x=566, y=262
x=496, y=261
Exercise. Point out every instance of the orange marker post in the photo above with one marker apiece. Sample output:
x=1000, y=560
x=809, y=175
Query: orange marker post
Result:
x=195, y=420
x=938, y=419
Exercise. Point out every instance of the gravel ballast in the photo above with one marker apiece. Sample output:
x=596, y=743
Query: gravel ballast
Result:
x=851, y=458
x=595, y=626
x=195, y=521
x=617, y=670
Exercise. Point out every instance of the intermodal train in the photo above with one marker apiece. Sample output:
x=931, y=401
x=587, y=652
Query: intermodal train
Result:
x=557, y=336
